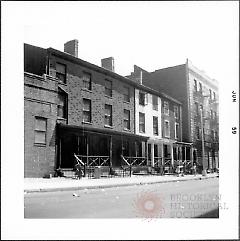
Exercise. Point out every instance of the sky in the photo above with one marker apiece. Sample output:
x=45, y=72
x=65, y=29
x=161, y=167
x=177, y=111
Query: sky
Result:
x=152, y=35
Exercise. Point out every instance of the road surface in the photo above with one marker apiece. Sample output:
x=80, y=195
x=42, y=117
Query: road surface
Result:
x=186, y=199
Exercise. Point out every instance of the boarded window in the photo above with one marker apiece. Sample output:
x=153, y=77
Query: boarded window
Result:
x=40, y=130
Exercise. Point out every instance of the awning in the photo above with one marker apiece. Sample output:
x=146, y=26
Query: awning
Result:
x=63, y=128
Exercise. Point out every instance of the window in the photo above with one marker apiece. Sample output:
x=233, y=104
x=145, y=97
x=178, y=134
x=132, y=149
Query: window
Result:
x=214, y=95
x=200, y=87
x=142, y=98
x=87, y=81
x=61, y=72
x=210, y=94
x=155, y=125
x=195, y=85
x=196, y=108
x=166, y=108
x=176, y=130
x=62, y=105
x=176, y=112
x=215, y=115
x=126, y=119
x=126, y=94
x=155, y=102
x=211, y=114
x=87, y=116
x=40, y=130
x=108, y=115
x=197, y=132
x=166, y=128
x=141, y=122
x=212, y=134
x=108, y=88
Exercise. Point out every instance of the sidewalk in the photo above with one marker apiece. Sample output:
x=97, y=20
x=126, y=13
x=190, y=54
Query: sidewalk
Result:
x=63, y=184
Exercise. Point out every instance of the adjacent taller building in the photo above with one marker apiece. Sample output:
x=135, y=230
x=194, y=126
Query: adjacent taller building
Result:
x=198, y=94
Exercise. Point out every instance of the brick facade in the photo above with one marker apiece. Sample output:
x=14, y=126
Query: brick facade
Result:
x=40, y=98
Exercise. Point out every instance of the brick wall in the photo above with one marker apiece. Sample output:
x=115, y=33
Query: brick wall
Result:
x=172, y=81
x=172, y=120
x=40, y=98
x=76, y=93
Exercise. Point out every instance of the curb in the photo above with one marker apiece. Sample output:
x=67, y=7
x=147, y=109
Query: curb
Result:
x=112, y=185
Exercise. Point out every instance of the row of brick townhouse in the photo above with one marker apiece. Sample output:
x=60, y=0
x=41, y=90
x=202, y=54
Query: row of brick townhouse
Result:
x=77, y=110
x=198, y=94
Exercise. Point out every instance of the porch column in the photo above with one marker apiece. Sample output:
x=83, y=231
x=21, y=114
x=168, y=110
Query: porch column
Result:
x=60, y=152
x=152, y=154
x=78, y=146
x=87, y=148
x=191, y=154
x=185, y=151
x=146, y=154
x=135, y=143
x=110, y=150
x=162, y=155
x=172, y=160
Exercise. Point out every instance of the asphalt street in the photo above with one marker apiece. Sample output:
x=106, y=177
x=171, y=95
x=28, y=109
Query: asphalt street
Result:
x=186, y=199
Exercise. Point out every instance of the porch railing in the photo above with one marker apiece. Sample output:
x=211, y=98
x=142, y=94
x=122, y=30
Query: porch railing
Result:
x=93, y=161
x=136, y=161
x=157, y=162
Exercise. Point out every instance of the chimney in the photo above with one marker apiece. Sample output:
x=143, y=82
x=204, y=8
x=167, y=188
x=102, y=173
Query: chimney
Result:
x=108, y=63
x=71, y=47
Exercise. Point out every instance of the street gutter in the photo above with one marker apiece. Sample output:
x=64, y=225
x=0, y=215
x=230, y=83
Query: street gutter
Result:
x=113, y=185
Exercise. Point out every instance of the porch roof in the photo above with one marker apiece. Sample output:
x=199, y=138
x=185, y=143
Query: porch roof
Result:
x=99, y=131
x=184, y=143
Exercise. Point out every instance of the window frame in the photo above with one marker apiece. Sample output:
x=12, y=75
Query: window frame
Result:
x=40, y=131
x=195, y=85
x=155, y=105
x=86, y=111
x=126, y=120
x=165, y=103
x=176, y=113
x=108, y=91
x=61, y=74
x=126, y=97
x=64, y=106
x=89, y=82
x=200, y=88
x=142, y=123
x=106, y=115
x=165, y=134
x=142, y=101
x=155, y=126
x=177, y=133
